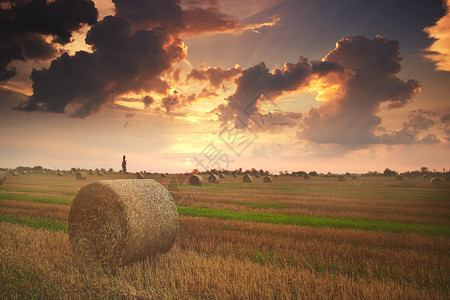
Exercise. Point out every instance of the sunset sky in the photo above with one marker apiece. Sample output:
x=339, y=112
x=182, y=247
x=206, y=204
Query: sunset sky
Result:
x=272, y=84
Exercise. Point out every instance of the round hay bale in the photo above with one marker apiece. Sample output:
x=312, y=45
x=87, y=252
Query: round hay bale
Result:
x=213, y=178
x=276, y=175
x=99, y=174
x=435, y=181
x=163, y=175
x=196, y=180
x=2, y=177
x=80, y=176
x=447, y=178
x=267, y=179
x=354, y=177
x=257, y=176
x=60, y=174
x=326, y=176
x=425, y=176
x=296, y=175
x=221, y=176
x=119, y=222
x=15, y=173
x=399, y=178
x=247, y=178
x=306, y=176
x=341, y=178
x=234, y=175
x=139, y=175
x=91, y=172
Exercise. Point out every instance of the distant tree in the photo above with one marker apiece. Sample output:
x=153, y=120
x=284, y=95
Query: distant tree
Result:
x=424, y=170
x=124, y=165
x=313, y=173
x=38, y=168
x=388, y=172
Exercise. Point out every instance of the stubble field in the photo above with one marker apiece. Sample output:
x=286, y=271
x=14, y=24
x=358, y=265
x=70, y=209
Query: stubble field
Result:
x=369, y=238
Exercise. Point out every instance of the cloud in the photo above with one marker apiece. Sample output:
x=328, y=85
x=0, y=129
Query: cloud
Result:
x=24, y=26
x=123, y=60
x=418, y=121
x=215, y=75
x=439, y=51
x=445, y=120
x=258, y=80
x=371, y=68
x=148, y=14
x=205, y=17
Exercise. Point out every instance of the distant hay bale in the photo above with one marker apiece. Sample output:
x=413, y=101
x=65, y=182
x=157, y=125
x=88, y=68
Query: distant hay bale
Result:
x=221, y=175
x=80, y=176
x=15, y=173
x=119, y=222
x=91, y=172
x=425, y=176
x=163, y=175
x=276, y=175
x=139, y=175
x=306, y=176
x=60, y=174
x=354, y=177
x=257, y=176
x=341, y=178
x=213, y=178
x=435, y=181
x=295, y=175
x=99, y=174
x=3, y=176
x=399, y=178
x=234, y=175
x=326, y=176
x=267, y=179
x=447, y=178
x=196, y=180
x=247, y=178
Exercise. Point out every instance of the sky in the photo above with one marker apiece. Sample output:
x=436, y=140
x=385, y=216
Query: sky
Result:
x=326, y=86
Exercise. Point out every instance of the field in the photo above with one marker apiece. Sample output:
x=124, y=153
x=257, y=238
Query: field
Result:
x=369, y=238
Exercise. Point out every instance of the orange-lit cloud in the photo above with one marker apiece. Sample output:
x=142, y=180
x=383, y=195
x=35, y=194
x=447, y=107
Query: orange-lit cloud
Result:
x=439, y=51
x=215, y=75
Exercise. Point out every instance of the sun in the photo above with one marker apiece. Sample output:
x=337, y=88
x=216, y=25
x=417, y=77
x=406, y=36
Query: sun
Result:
x=188, y=163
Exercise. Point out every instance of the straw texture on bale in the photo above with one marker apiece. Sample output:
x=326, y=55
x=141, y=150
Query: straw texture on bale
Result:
x=435, y=180
x=268, y=179
x=80, y=176
x=341, y=178
x=213, y=178
x=247, y=178
x=139, y=175
x=399, y=178
x=196, y=180
x=306, y=176
x=119, y=222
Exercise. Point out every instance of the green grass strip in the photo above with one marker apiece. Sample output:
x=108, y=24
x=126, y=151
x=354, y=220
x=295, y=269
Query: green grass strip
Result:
x=344, y=223
x=48, y=224
x=17, y=197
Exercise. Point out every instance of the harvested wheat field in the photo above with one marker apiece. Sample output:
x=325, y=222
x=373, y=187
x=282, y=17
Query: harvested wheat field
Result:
x=370, y=238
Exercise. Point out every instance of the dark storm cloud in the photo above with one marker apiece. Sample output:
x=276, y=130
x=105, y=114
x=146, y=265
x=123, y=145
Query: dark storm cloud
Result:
x=418, y=122
x=25, y=24
x=198, y=20
x=371, y=67
x=216, y=76
x=148, y=14
x=258, y=80
x=122, y=60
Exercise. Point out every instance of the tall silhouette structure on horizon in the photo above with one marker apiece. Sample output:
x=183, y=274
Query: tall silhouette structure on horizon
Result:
x=124, y=165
